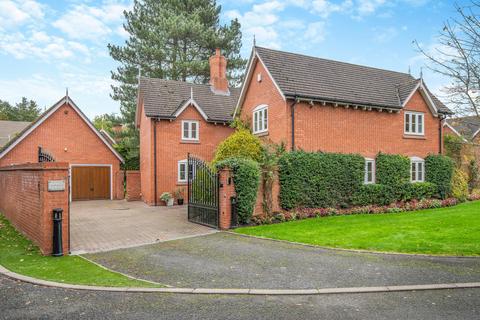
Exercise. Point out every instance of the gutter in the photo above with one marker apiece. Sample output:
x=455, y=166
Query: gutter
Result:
x=155, y=161
x=440, y=133
x=292, y=107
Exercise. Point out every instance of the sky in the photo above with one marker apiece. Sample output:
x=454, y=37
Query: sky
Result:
x=48, y=46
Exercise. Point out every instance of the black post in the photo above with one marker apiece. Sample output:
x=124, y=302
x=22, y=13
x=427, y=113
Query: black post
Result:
x=57, y=232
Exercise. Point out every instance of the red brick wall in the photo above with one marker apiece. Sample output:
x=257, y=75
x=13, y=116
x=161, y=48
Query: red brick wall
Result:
x=226, y=192
x=171, y=149
x=259, y=209
x=68, y=139
x=119, y=188
x=133, y=186
x=146, y=158
x=27, y=203
x=330, y=129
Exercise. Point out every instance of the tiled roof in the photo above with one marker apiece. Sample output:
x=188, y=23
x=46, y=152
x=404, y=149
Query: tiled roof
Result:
x=466, y=126
x=10, y=129
x=312, y=77
x=162, y=98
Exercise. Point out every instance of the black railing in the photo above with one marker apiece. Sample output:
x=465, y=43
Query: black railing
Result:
x=203, y=192
x=44, y=156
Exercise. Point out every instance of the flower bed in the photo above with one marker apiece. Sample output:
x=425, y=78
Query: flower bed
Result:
x=401, y=206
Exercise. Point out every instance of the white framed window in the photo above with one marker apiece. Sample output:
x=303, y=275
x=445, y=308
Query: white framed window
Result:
x=369, y=171
x=182, y=171
x=190, y=130
x=417, y=169
x=260, y=119
x=414, y=123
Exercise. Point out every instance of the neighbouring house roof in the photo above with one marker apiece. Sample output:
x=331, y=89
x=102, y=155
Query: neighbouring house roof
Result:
x=167, y=98
x=10, y=129
x=33, y=125
x=107, y=137
x=301, y=76
x=468, y=127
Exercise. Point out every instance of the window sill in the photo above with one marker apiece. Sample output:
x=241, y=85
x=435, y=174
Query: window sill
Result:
x=413, y=136
x=181, y=183
x=190, y=141
x=261, y=134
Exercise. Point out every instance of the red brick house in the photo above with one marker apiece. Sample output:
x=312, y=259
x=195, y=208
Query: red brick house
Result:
x=65, y=133
x=316, y=104
x=176, y=118
x=305, y=102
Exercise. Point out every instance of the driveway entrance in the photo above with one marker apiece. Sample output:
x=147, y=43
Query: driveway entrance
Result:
x=103, y=225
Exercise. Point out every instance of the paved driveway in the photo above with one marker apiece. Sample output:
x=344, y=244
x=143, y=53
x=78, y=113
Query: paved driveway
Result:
x=106, y=225
x=224, y=260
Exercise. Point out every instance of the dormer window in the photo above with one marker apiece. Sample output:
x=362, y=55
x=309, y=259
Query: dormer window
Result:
x=260, y=119
x=190, y=130
x=414, y=123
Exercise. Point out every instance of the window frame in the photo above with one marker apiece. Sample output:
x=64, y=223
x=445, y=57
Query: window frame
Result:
x=262, y=112
x=365, y=178
x=184, y=162
x=417, y=163
x=189, y=131
x=411, y=125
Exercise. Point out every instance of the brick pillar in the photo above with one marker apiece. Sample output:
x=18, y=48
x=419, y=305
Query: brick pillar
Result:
x=133, y=185
x=227, y=190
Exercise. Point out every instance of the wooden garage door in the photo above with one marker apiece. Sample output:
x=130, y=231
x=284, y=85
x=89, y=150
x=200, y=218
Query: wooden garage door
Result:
x=90, y=183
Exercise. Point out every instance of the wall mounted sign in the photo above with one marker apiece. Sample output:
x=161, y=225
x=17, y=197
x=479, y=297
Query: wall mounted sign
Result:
x=56, y=185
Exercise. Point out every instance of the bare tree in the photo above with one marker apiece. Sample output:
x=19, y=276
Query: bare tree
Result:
x=457, y=56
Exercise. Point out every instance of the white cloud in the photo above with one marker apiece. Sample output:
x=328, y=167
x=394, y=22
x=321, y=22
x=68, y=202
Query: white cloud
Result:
x=315, y=32
x=15, y=12
x=369, y=6
x=324, y=7
x=385, y=35
x=92, y=22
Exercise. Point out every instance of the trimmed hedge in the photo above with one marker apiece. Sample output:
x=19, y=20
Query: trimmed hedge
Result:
x=379, y=194
x=319, y=179
x=392, y=169
x=246, y=177
x=439, y=170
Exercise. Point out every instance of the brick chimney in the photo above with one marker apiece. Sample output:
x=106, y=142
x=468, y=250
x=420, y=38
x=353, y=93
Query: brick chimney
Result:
x=218, y=70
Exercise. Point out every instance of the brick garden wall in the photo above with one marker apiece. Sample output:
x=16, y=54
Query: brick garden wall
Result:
x=259, y=209
x=27, y=203
x=133, y=186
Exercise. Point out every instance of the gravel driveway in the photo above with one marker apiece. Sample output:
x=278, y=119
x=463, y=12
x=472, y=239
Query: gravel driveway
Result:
x=225, y=260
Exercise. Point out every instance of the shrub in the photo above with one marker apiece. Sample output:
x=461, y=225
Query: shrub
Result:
x=453, y=147
x=246, y=175
x=392, y=170
x=460, y=185
x=439, y=170
x=241, y=144
x=416, y=191
x=473, y=177
x=313, y=179
x=374, y=194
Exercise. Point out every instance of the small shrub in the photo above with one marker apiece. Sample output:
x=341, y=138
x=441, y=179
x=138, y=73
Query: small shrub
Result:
x=439, y=170
x=241, y=144
x=460, y=185
x=246, y=176
x=416, y=191
x=473, y=176
x=373, y=194
x=392, y=169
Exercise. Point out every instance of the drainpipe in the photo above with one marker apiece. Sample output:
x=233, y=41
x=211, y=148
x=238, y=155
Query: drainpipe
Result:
x=292, y=107
x=155, y=161
x=440, y=133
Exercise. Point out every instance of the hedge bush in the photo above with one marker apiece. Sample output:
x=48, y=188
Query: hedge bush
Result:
x=246, y=177
x=241, y=144
x=439, y=170
x=319, y=179
x=460, y=185
x=379, y=194
x=392, y=169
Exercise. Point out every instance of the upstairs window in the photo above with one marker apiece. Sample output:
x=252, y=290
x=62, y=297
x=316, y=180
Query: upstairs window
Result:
x=417, y=171
x=190, y=130
x=369, y=171
x=414, y=123
x=260, y=119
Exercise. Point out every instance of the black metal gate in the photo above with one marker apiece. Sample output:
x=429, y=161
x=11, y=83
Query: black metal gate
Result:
x=203, y=193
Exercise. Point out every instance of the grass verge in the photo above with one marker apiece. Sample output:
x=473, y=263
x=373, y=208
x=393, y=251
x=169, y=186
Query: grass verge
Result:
x=445, y=231
x=20, y=255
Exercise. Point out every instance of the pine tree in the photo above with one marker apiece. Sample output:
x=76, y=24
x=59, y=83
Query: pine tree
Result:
x=172, y=39
x=25, y=110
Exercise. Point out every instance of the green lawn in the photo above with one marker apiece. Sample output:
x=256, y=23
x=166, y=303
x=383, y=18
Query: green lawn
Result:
x=19, y=255
x=445, y=231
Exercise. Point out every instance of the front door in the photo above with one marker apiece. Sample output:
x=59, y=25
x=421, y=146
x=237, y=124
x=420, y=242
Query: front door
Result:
x=90, y=183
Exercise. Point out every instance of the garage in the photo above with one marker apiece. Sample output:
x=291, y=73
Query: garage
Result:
x=91, y=182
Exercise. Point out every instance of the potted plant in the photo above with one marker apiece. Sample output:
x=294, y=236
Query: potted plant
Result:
x=179, y=195
x=167, y=198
